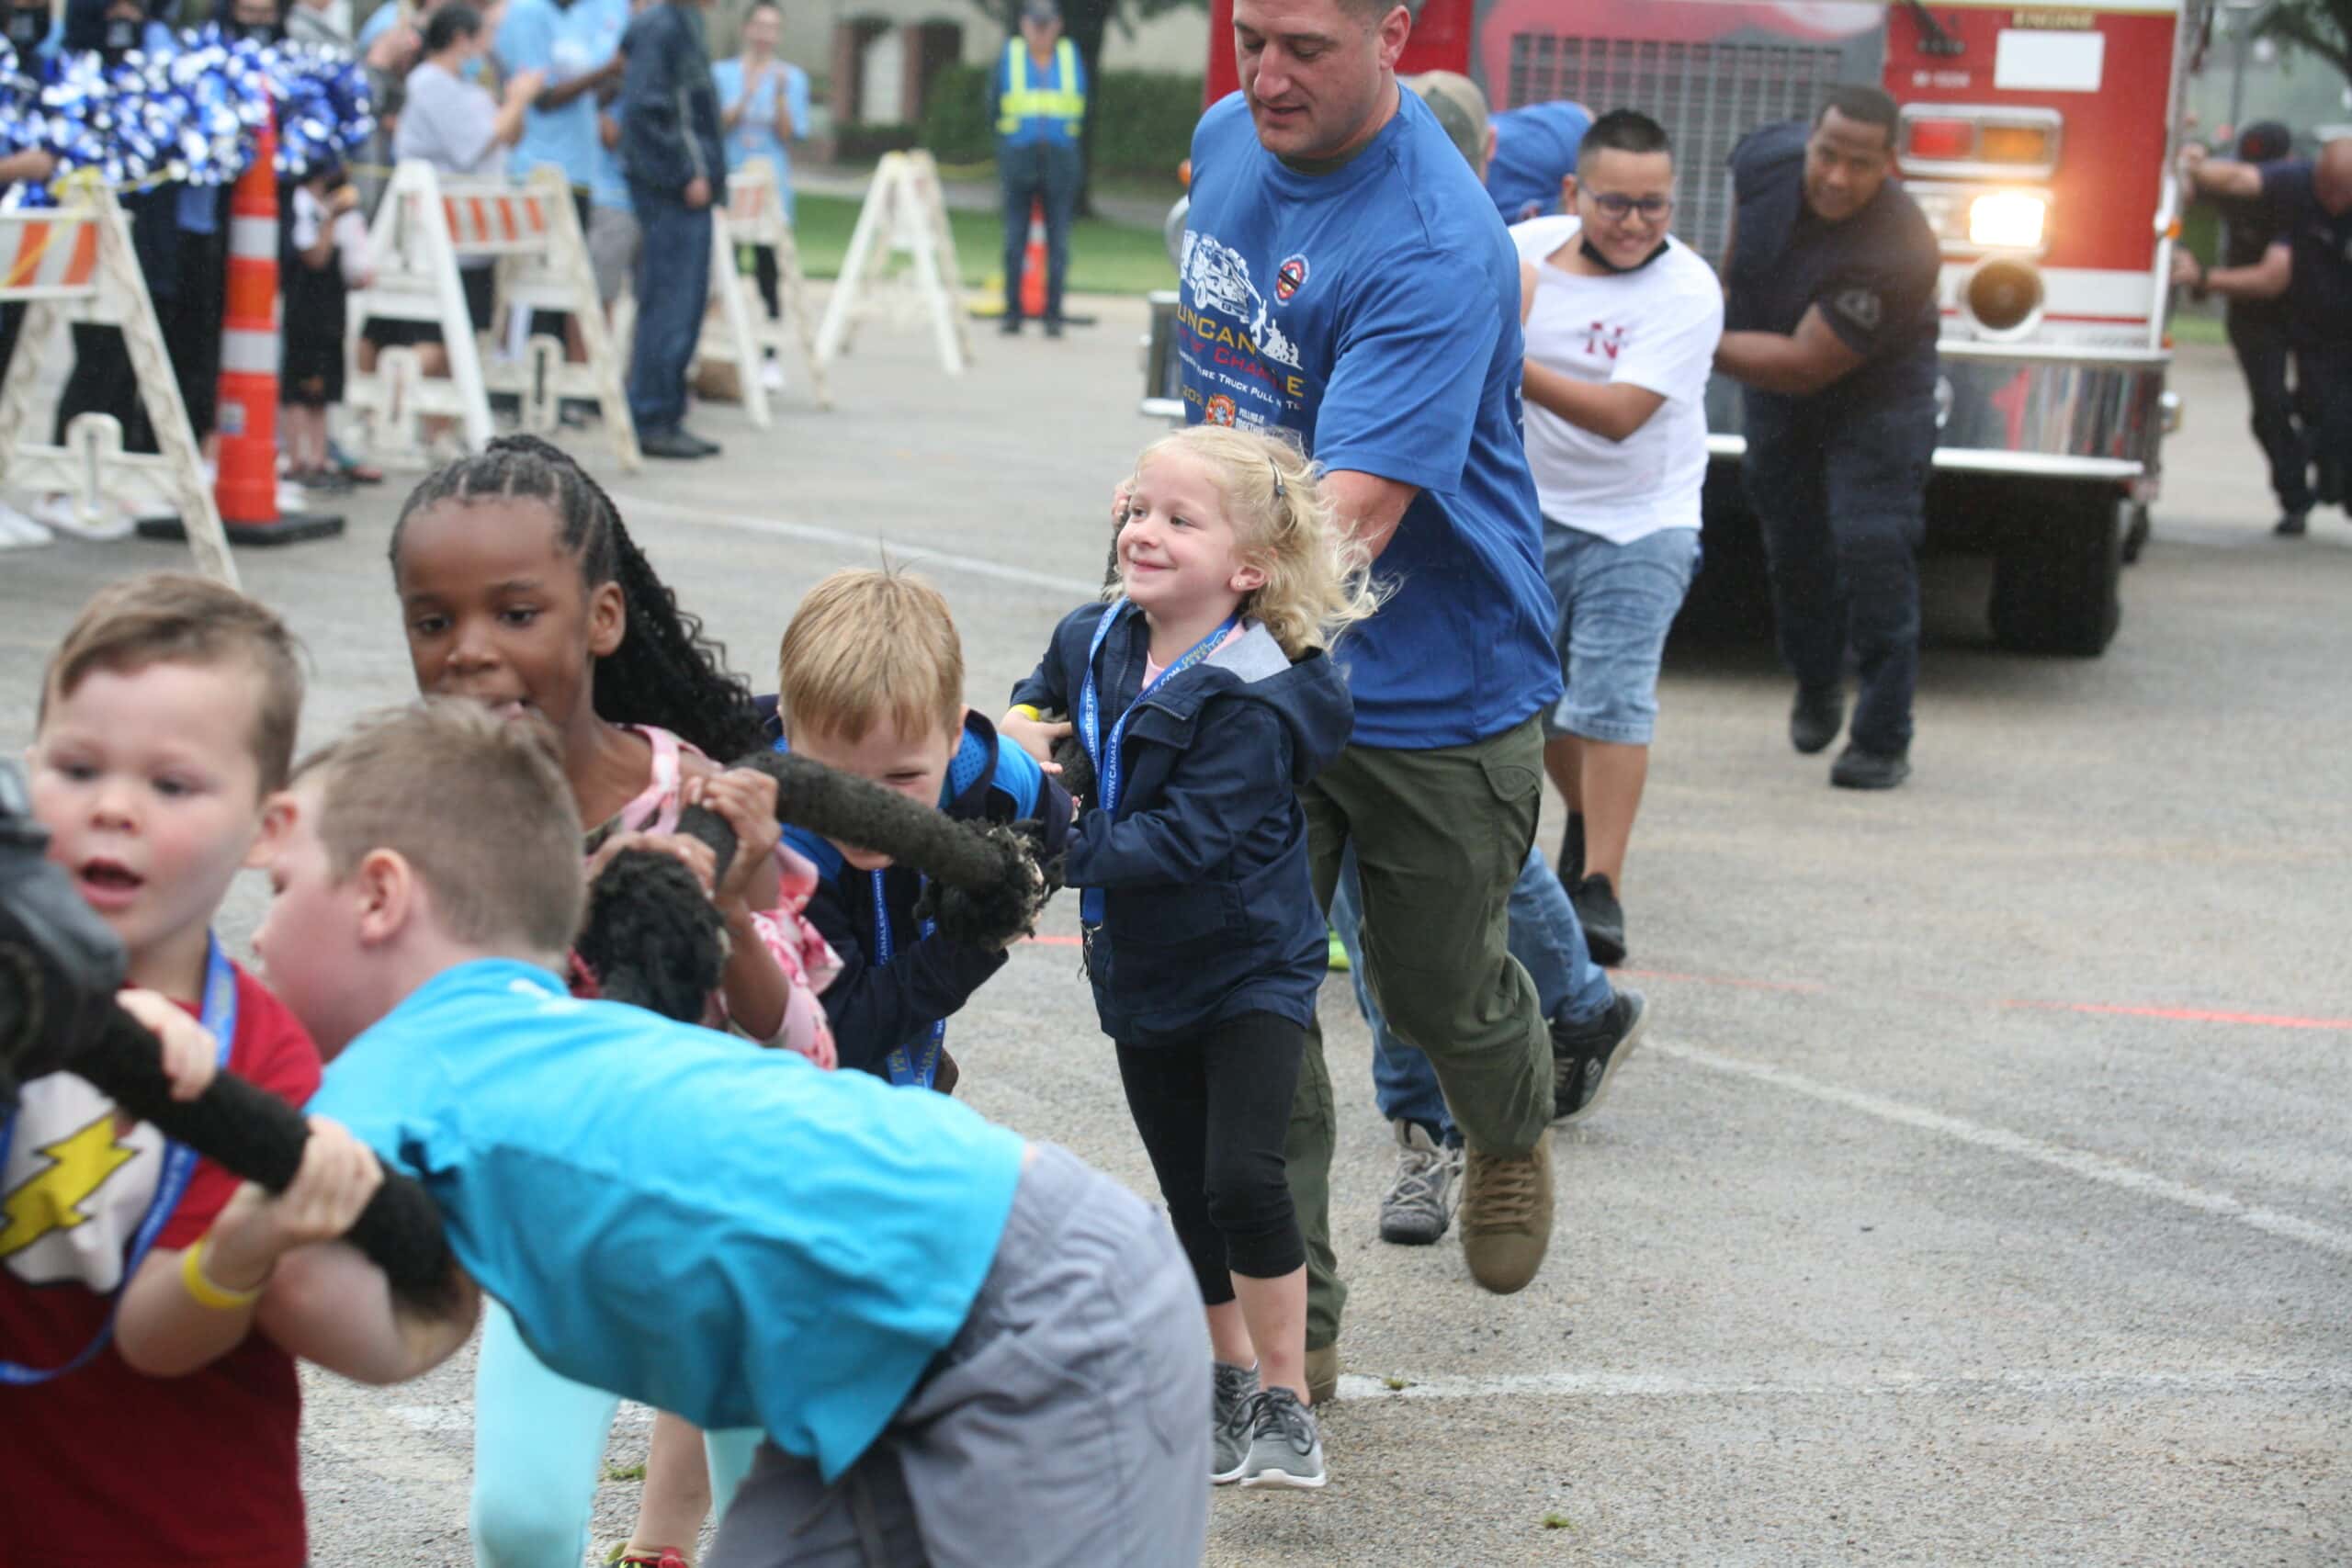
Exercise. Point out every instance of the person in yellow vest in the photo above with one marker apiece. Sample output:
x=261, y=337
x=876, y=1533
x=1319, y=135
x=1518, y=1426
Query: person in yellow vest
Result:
x=1040, y=106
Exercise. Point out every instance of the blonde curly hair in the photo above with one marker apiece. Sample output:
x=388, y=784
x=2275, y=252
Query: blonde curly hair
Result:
x=1318, y=579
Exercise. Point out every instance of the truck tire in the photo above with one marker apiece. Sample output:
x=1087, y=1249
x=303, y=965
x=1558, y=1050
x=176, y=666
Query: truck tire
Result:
x=2056, y=583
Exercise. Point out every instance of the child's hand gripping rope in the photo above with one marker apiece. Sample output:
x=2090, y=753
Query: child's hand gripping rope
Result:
x=653, y=938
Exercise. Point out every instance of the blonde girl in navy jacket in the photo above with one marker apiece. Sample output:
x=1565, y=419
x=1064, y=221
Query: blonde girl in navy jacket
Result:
x=1204, y=694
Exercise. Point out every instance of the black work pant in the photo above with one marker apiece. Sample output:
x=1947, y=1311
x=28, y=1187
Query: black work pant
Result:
x=1047, y=169
x=2323, y=376
x=1841, y=493
x=2263, y=349
x=765, y=273
x=1213, y=1112
x=102, y=381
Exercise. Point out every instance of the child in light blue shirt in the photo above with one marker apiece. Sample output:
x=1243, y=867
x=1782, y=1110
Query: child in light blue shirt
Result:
x=916, y=1306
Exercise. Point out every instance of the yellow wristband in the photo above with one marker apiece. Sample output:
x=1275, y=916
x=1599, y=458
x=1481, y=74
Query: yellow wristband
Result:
x=1028, y=711
x=206, y=1292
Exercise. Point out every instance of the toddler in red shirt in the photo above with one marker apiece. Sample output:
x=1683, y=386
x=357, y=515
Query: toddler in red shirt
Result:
x=140, y=1420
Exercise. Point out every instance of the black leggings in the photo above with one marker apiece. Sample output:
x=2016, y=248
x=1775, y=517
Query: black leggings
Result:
x=1213, y=1112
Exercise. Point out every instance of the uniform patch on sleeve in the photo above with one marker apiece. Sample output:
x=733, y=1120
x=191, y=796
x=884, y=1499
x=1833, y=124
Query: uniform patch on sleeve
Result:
x=1860, y=306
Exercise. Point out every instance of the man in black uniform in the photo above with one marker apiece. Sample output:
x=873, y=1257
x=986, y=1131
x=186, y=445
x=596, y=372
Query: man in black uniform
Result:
x=2309, y=262
x=2258, y=335
x=1830, y=322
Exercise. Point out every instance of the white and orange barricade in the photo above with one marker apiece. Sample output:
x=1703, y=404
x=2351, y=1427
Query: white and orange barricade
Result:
x=425, y=226
x=75, y=263
x=736, y=329
x=904, y=215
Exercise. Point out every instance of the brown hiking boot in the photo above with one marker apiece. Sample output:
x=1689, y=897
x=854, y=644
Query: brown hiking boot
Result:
x=1507, y=1216
x=1323, y=1373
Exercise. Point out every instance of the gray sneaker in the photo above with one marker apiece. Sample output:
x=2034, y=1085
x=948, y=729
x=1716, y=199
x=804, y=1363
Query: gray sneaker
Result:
x=1285, y=1450
x=1419, y=1205
x=1235, y=1396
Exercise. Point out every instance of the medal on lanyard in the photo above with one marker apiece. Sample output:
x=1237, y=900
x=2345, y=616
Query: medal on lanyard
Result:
x=1105, y=757
x=917, y=1065
x=220, y=1019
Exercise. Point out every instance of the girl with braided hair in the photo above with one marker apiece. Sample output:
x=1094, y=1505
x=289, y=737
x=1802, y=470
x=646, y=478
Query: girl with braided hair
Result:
x=520, y=588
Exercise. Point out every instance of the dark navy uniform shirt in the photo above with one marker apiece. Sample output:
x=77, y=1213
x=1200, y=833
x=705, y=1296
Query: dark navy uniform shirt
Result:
x=2319, y=292
x=1874, y=275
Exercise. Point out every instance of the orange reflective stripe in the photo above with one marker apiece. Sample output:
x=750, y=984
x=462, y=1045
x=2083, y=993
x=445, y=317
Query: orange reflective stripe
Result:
x=84, y=264
x=31, y=240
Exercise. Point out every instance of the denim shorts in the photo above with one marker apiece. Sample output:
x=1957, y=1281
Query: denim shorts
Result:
x=1616, y=603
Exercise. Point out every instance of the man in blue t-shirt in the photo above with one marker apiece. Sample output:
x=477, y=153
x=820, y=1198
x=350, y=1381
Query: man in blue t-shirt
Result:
x=922, y=1310
x=1345, y=279
x=1829, y=321
x=576, y=43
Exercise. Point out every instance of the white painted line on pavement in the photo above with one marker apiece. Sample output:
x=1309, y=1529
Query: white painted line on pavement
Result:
x=2026, y=1383
x=911, y=554
x=2074, y=1162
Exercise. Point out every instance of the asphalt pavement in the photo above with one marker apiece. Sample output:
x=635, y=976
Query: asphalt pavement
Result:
x=1979, y=1195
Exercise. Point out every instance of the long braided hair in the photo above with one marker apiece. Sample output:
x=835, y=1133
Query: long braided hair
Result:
x=666, y=672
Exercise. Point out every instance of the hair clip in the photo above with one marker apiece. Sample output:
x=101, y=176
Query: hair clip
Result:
x=1276, y=470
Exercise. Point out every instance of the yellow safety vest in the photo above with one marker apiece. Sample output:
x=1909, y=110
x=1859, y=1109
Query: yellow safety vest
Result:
x=1021, y=101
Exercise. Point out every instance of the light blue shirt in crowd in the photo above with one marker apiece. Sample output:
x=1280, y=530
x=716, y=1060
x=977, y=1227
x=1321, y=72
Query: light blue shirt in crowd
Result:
x=565, y=42
x=755, y=135
x=678, y=1216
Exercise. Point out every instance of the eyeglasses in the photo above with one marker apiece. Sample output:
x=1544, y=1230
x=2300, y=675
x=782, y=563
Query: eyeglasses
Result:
x=1617, y=208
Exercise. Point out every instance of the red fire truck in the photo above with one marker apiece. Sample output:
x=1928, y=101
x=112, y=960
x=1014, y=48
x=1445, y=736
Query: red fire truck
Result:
x=2038, y=140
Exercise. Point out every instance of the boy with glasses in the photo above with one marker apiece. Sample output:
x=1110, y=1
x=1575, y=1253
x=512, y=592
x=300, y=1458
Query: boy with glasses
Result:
x=1622, y=322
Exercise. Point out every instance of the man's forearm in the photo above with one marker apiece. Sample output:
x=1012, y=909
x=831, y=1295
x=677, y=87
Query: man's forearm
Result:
x=1770, y=362
x=564, y=93
x=1369, y=507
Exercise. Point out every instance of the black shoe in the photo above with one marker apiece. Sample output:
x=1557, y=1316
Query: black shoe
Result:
x=1603, y=919
x=1570, y=866
x=1053, y=326
x=1010, y=326
x=2293, y=526
x=674, y=443
x=709, y=448
x=1814, y=720
x=1585, y=1056
x=1857, y=769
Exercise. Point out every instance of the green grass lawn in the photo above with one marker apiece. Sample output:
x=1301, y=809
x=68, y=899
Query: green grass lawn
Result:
x=1104, y=257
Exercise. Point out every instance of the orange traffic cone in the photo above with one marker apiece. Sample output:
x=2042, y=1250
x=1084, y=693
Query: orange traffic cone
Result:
x=1033, y=262
x=246, y=491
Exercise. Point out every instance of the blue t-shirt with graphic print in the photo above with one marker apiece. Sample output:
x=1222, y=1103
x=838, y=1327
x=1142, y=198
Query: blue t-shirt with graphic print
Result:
x=1372, y=313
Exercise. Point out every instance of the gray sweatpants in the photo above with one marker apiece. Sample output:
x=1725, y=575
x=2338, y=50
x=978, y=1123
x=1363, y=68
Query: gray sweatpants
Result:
x=1068, y=1423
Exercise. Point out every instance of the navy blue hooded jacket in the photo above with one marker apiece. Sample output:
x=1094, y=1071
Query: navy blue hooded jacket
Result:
x=1209, y=911
x=875, y=1008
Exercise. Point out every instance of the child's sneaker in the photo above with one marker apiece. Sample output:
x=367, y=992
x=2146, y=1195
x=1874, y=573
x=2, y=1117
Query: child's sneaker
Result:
x=1235, y=1394
x=1285, y=1450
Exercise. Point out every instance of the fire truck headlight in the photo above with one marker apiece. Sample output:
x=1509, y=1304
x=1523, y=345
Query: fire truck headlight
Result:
x=2008, y=220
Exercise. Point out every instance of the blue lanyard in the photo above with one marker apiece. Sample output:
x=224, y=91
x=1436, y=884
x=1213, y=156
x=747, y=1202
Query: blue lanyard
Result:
x=220, y=1018
x=917, y=1065
x=1107, y=758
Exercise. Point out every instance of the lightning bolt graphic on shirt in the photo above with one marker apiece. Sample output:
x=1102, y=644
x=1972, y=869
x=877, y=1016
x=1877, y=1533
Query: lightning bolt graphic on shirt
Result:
x=79, y=1165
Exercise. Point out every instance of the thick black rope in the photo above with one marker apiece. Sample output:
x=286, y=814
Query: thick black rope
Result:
x=650, y=937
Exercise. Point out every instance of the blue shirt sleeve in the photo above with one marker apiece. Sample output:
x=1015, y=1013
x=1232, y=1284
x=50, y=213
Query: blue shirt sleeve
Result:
x=380, y=22
x=727, y=78
x=796, y=90
x=526, y=41
x=1018, y=774
x=1412, y=363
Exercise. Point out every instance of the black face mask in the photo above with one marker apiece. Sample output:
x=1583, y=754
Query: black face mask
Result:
x=255, y=32
x=122, y=37
x=1585, y=248
x=26, y=28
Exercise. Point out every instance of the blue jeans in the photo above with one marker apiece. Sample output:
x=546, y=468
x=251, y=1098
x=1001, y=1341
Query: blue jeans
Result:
x=1549, y=944
x=1616, y=601
x=1842, y=497
x=1047, y=169
x=673, y=287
